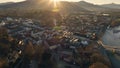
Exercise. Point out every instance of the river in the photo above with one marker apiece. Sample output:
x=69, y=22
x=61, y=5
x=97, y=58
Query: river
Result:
x=112, y=37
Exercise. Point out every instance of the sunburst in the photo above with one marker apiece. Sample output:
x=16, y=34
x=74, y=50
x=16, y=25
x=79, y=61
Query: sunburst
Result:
x=55, y=5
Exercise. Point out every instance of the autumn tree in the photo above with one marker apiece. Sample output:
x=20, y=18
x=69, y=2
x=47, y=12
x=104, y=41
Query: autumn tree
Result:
x=97, y=57
x=29, y=50
x=4, y=42
x=39, y=50
x=115, y=23
x=3, y=63
x=98, y=65
x=3, y=33
x=47, y=61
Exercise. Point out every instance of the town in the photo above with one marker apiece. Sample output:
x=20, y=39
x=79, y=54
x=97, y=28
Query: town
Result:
x=71, y=44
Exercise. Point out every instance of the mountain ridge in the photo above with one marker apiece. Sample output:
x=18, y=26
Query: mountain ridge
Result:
x=111, y=5
x=81, y=6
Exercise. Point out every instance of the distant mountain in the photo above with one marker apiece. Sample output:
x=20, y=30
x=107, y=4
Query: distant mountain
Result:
x=44, y=5
x=71, y=7
x=85, y=6
x=91, y=7
x=112, y=5
x=29, y=4
x=64, y=6
x=6, y=3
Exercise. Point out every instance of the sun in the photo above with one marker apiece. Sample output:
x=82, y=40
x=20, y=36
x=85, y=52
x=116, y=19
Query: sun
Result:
x=55, y=5
x=55, y=2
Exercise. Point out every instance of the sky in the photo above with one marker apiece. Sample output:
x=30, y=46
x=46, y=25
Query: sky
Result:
x=91, y=1
x=3, y=1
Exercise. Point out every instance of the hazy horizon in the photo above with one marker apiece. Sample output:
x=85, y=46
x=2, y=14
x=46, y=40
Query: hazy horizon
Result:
x=90, y=1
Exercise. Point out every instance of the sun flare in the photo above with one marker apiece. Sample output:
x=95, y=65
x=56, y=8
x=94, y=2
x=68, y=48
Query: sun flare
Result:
x=55, y=5
x=55, y=2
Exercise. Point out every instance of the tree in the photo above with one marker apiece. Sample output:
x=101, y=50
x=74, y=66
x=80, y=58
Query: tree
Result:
x=29, y=51
x=3, y=33
x=98, y=65
x=3, y=63
x=97, y=57
x=47, y=61
x=39, y=50
x=4, y=49
x=115, y=23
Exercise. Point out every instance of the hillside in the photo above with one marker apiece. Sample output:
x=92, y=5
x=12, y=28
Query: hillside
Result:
x=91, y=7
x=64, y=6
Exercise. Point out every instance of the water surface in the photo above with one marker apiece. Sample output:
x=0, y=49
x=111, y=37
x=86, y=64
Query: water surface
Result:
x=112, y=37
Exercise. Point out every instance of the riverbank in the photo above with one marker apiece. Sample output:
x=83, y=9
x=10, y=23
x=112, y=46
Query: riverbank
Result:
x=112, y=55
x=111, y=39
x=114, y=59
